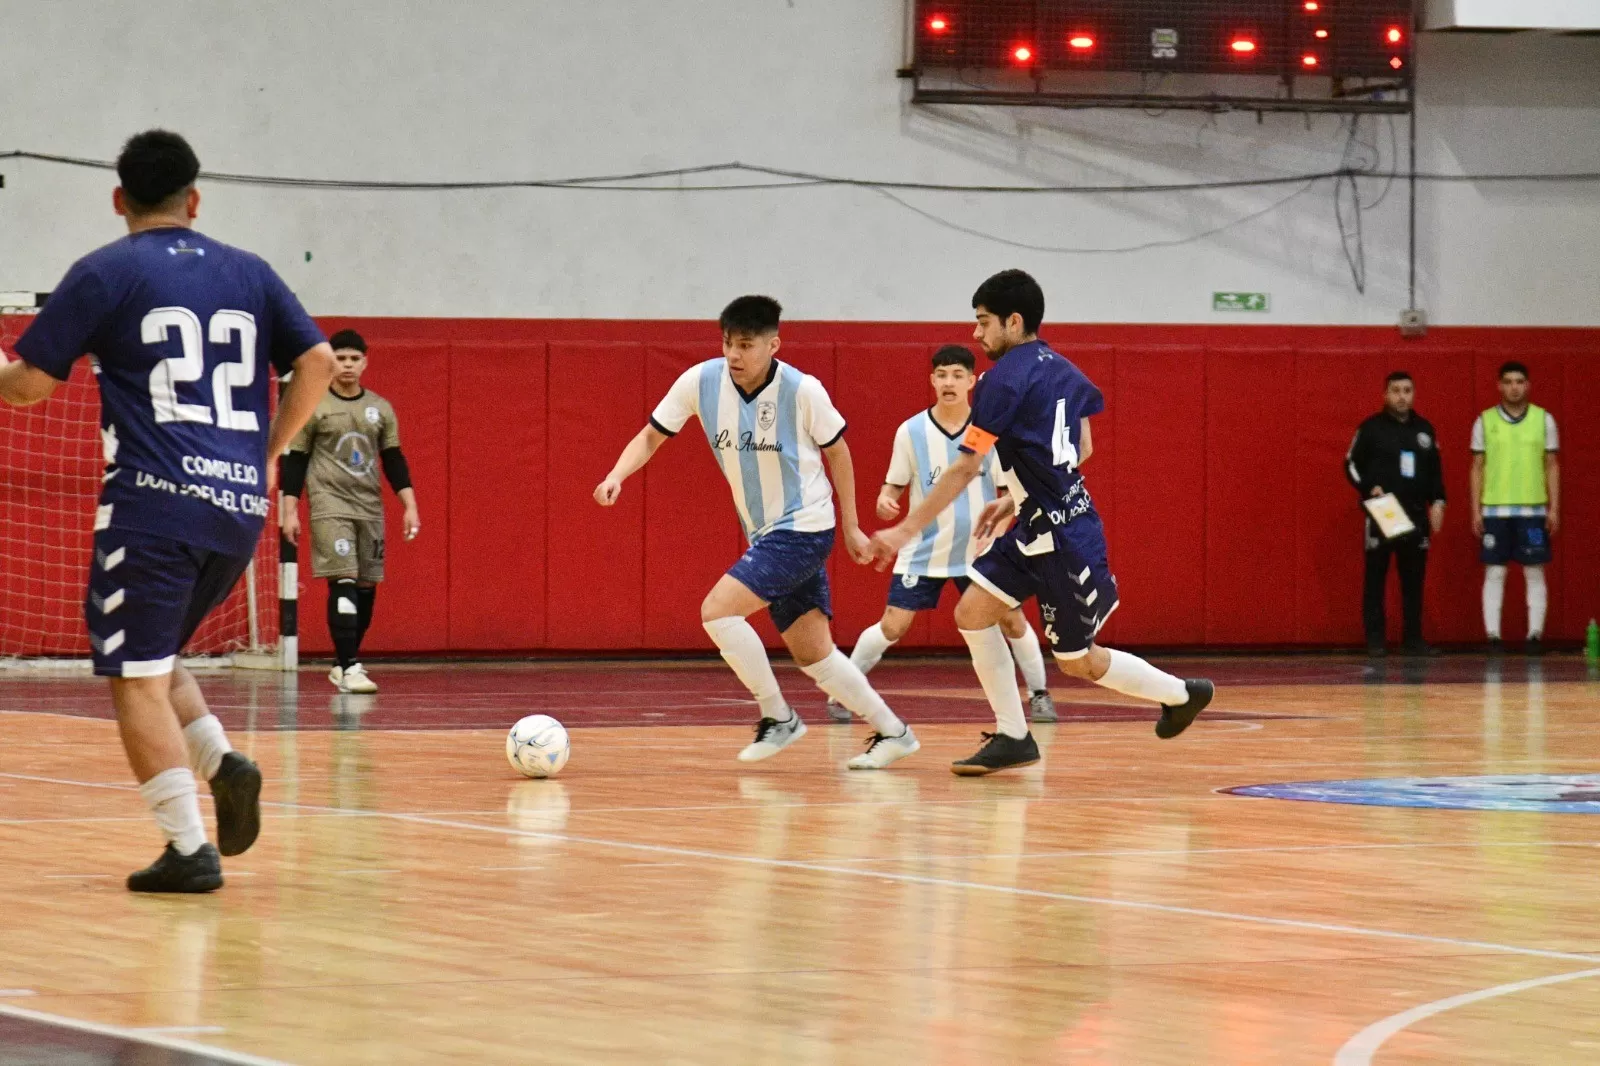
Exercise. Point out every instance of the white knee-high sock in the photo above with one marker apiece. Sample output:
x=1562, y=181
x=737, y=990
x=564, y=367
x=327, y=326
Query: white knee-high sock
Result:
x=1494, y=597
x=1030, y=659
x=870, y=646
x=1132, y=676
x=1538, y=599
x=844, y=682
x=172, y=798
x=991, y=658
x=207, y=745
x=743, y=651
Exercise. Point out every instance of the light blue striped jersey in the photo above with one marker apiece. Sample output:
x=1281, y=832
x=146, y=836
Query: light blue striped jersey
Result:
x=768, y=442
x=922, y=452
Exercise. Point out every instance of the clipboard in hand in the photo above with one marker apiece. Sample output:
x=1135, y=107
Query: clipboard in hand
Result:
x=1390, y=518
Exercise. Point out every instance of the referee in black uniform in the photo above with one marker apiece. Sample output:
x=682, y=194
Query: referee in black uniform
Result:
x=1397, y=451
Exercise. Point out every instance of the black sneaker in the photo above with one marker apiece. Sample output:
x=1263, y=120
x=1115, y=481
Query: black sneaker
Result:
x=1495, y=647
x=1535, y=647
x=999, y=753
x=1376, y=650
x=1420, y=649
x=200, y=872
x=1175, y=720
x=237, y=791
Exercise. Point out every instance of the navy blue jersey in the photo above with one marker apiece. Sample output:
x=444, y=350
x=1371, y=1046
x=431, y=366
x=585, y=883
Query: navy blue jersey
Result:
x=1030, y=406
x=182, y=329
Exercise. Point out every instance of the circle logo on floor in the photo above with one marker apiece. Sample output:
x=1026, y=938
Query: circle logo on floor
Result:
x=1547, y=793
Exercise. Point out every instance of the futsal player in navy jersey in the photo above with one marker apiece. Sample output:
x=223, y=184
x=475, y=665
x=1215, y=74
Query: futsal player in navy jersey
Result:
x=184, y=332
x=1032, y=408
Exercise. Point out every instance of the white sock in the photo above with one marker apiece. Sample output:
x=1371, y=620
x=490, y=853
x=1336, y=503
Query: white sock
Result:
x=870, y=646
x=843, y=681
x=1030, y=659
x=743, y=651
x=207, y=745
x=172, y=798
x=991, y=658
x=1538, y=599
x=1494, y=596
x=1132, y=676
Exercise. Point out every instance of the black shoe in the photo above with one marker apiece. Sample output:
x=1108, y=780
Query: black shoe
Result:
x=999, y=753
x=1419, y=649
x=200, y=872
x=1376, y=650
x=237, y=791
x=1495, y=647
x=1175, y=720
x=1535, y=647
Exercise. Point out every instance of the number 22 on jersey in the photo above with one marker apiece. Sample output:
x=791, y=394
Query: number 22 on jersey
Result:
x=155, y=328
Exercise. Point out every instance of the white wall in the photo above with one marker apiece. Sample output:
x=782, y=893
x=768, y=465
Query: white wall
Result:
x=482, y=89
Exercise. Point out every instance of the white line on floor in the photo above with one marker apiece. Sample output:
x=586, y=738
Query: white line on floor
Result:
x=135, y=1036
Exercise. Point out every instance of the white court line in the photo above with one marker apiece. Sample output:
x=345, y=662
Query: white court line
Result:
x=1121, y=853
x=136, y=1036
x=173, y=1030
x=979, y=886
x=1359, y=1049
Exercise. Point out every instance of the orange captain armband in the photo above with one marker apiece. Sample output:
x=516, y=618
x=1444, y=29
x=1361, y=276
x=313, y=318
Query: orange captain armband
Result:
x=978, y=441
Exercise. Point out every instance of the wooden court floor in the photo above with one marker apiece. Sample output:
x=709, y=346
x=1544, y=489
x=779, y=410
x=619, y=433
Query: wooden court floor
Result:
x=413, y=901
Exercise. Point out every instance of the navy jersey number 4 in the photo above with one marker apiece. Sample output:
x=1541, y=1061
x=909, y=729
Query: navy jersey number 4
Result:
x=183, y=330
x=1032, y=404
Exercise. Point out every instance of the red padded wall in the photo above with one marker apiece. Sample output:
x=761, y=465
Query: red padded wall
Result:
x=1217, y=465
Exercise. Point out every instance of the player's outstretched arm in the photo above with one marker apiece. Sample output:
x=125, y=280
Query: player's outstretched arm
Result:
x=639, y=451
x=886, y=543
x=842, y=470
x=22, y=385
x=313, y=373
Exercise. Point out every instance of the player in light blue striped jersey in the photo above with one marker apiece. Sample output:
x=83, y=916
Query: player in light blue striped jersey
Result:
x=925, y=445
x=770, y=427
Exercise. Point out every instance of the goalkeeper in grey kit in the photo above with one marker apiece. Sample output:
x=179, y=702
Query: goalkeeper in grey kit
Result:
x=336, y=459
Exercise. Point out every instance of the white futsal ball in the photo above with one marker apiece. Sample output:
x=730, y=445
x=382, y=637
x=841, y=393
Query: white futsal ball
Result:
x=538, y=746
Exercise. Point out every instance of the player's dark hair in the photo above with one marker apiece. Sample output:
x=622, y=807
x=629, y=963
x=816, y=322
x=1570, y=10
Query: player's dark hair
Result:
x=751, y=314
x=348, y=338
x=1012, y=292
x=155, y=166
x=1514, y=367
x=1394, y=376
x=955, y=355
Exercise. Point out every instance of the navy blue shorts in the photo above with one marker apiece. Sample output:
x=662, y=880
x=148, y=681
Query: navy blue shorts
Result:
x=1521, y=540
x=912, y=593
x=147, y=596
x=1072, y=581
x=790, y=571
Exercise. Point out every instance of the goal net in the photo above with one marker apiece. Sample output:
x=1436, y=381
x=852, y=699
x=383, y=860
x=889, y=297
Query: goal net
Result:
x=51, y=466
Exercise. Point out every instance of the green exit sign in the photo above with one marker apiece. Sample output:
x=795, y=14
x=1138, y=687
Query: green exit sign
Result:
x=1241, y=301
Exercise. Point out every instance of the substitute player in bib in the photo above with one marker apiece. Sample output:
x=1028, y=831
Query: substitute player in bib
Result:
x=770, y=427
x=924, y=446
x=336, y=459
x=184, y=331
x=1516, y=500
x=1033, y=409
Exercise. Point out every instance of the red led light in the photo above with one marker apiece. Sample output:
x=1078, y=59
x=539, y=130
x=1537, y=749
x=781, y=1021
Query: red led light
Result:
x=1308, y=60
x=1243, y=45
x=1081, y=42
x=1394, y=35
x=1022, y=53
x=1397, y=62
x=938, y=24
x=1321, y=35
x=1312, y=5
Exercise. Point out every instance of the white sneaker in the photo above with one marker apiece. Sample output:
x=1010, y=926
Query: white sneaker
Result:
x=838, y=712
x=1041, y=708
x=772, y=736
x=356, y=680
x=336, y=675
x=882, y=751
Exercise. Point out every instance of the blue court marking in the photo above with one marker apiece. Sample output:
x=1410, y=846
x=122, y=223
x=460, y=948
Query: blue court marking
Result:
x=1543, y=793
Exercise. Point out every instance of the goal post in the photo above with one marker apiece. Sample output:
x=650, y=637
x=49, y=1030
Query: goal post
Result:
x=52, y=465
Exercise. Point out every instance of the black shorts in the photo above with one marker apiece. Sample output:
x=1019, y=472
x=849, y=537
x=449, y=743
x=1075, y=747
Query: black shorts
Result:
x=147, y=596
x=1520, y=540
